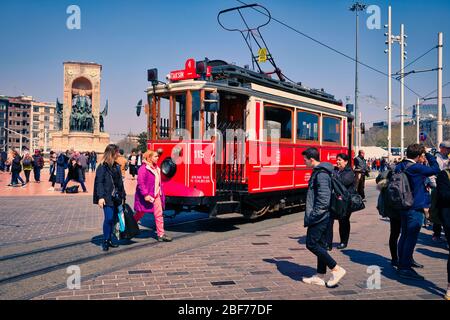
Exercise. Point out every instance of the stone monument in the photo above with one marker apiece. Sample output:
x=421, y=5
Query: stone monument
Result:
x=81, y=124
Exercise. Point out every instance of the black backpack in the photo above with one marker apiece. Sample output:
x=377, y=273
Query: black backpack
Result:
x=399, y=195
x=340, y=197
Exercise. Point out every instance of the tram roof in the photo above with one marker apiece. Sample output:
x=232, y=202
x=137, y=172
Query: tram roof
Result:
x=235, y=76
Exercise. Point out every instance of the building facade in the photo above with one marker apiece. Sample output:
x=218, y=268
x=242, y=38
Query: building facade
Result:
x=29, y=122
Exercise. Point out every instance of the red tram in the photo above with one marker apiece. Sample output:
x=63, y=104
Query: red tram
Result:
x=231, y=139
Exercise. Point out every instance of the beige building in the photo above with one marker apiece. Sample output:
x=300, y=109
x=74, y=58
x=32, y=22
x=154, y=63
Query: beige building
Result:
x=42, y=124
x=28, y=120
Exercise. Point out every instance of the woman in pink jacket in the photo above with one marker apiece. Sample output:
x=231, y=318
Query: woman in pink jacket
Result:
x=149, y=197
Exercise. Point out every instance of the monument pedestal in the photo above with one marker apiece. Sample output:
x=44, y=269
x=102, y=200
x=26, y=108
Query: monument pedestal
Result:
x=80, y=141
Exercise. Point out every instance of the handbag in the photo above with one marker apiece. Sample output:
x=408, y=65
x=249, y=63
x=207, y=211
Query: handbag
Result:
x=131, y=226
x=356, y=203
x=72, y=189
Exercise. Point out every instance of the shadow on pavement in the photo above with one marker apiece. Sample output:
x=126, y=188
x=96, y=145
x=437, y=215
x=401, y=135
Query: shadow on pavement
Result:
x=369, y=259
x=432, y=254
x=292, y=270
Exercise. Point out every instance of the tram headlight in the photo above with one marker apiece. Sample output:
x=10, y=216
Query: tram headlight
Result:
x=168, y=167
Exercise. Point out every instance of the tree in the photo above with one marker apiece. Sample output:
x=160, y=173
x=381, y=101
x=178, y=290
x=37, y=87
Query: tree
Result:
x=142, y=142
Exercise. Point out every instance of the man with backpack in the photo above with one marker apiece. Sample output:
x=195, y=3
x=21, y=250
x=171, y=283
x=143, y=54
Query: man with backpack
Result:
x=317, y=215
x=407, y=193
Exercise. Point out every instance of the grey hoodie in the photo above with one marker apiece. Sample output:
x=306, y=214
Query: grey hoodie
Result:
x=319, y=194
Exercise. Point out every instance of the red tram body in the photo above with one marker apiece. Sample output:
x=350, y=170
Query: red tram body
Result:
x=220, y=160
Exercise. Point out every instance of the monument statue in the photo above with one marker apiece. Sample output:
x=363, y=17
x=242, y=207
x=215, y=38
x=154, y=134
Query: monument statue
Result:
x=81, y=118
x=103, y=114
x=80, y=122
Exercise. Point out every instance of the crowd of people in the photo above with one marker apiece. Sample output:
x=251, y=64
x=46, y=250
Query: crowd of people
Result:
x=414, y=189
x=411, y=191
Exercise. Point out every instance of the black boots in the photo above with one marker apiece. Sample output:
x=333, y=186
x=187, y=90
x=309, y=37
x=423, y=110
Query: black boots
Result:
x=108, y=243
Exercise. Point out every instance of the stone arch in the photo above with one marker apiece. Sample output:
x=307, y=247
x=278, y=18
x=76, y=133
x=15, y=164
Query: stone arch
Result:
x=82, y=83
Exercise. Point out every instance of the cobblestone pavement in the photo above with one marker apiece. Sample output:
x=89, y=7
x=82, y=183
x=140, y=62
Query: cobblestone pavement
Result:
x=269, y=264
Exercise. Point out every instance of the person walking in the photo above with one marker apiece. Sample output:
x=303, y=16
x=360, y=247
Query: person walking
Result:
x=83, y=162
x=443, y=204
x=361, y=172
x=74, y=174
x=109, y=192
x=16, y=168
x=317, y=215
x=93, y=160
x=442, y=160
x=122, y=162
x=132, y=160
x=27, y=164
x=149, y=196
x=3, y=158
x=411, y=220
x=139, y=159
x=344, y=174
x=52, y=160
x=38, y=164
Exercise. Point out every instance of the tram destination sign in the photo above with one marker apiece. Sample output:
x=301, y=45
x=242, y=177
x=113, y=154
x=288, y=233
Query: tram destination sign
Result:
x=188, y=73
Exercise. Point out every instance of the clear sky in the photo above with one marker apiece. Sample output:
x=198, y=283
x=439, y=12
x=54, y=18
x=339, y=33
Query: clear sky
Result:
x=128, y=37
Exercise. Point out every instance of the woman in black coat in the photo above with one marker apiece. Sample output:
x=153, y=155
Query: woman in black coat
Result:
x=443, y=203
x=346, y=176
x=16, y=168
x=109, y=192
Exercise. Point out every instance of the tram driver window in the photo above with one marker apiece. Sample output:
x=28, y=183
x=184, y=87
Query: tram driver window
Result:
x=277, y=123
x=307, y=126
x=331, y=130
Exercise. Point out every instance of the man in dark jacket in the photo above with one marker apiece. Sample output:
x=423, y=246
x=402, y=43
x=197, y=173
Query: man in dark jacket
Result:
x=74, y=174
x=361, y=172
x=443, y=194
x=317, y=215
x=411, y=220
x=38, y=164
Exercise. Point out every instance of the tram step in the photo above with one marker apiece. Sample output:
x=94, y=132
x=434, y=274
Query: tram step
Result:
x=223, y=207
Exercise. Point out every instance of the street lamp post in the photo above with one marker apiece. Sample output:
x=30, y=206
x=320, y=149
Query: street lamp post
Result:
x=356, y=7
x=19, y=134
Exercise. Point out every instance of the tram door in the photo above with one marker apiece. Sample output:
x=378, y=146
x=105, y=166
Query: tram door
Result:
x=231, y=144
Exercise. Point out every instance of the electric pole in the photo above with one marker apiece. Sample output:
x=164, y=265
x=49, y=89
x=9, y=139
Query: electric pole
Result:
x=356, y=7
x=439, y=136
x=402, y=88
x=418, y=119
x=388, y=51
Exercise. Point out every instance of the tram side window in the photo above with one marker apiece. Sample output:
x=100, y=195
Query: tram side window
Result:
x=331, y=130
x=277, y=123
x=195, y=129
x=180, y=110
x=307, y=126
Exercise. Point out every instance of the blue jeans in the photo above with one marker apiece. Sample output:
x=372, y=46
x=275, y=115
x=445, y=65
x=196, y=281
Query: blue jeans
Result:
x=108, y=223
x=37, y=173
x=15, y=177
x=80, y=181
x=316, y=241
x=411, y=222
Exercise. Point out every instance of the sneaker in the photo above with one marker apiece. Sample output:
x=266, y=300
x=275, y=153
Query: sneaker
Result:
x=336, y=276
x=24, y=185
x=415, y=264
x=164, y=238
x=314, y=280
x=409, y=274
x=51, y=189
x=394, y=263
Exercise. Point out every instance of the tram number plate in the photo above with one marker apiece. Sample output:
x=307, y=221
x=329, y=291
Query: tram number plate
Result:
x=199, y=154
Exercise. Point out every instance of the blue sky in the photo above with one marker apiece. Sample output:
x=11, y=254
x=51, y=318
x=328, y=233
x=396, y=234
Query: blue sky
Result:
x=128, y=37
